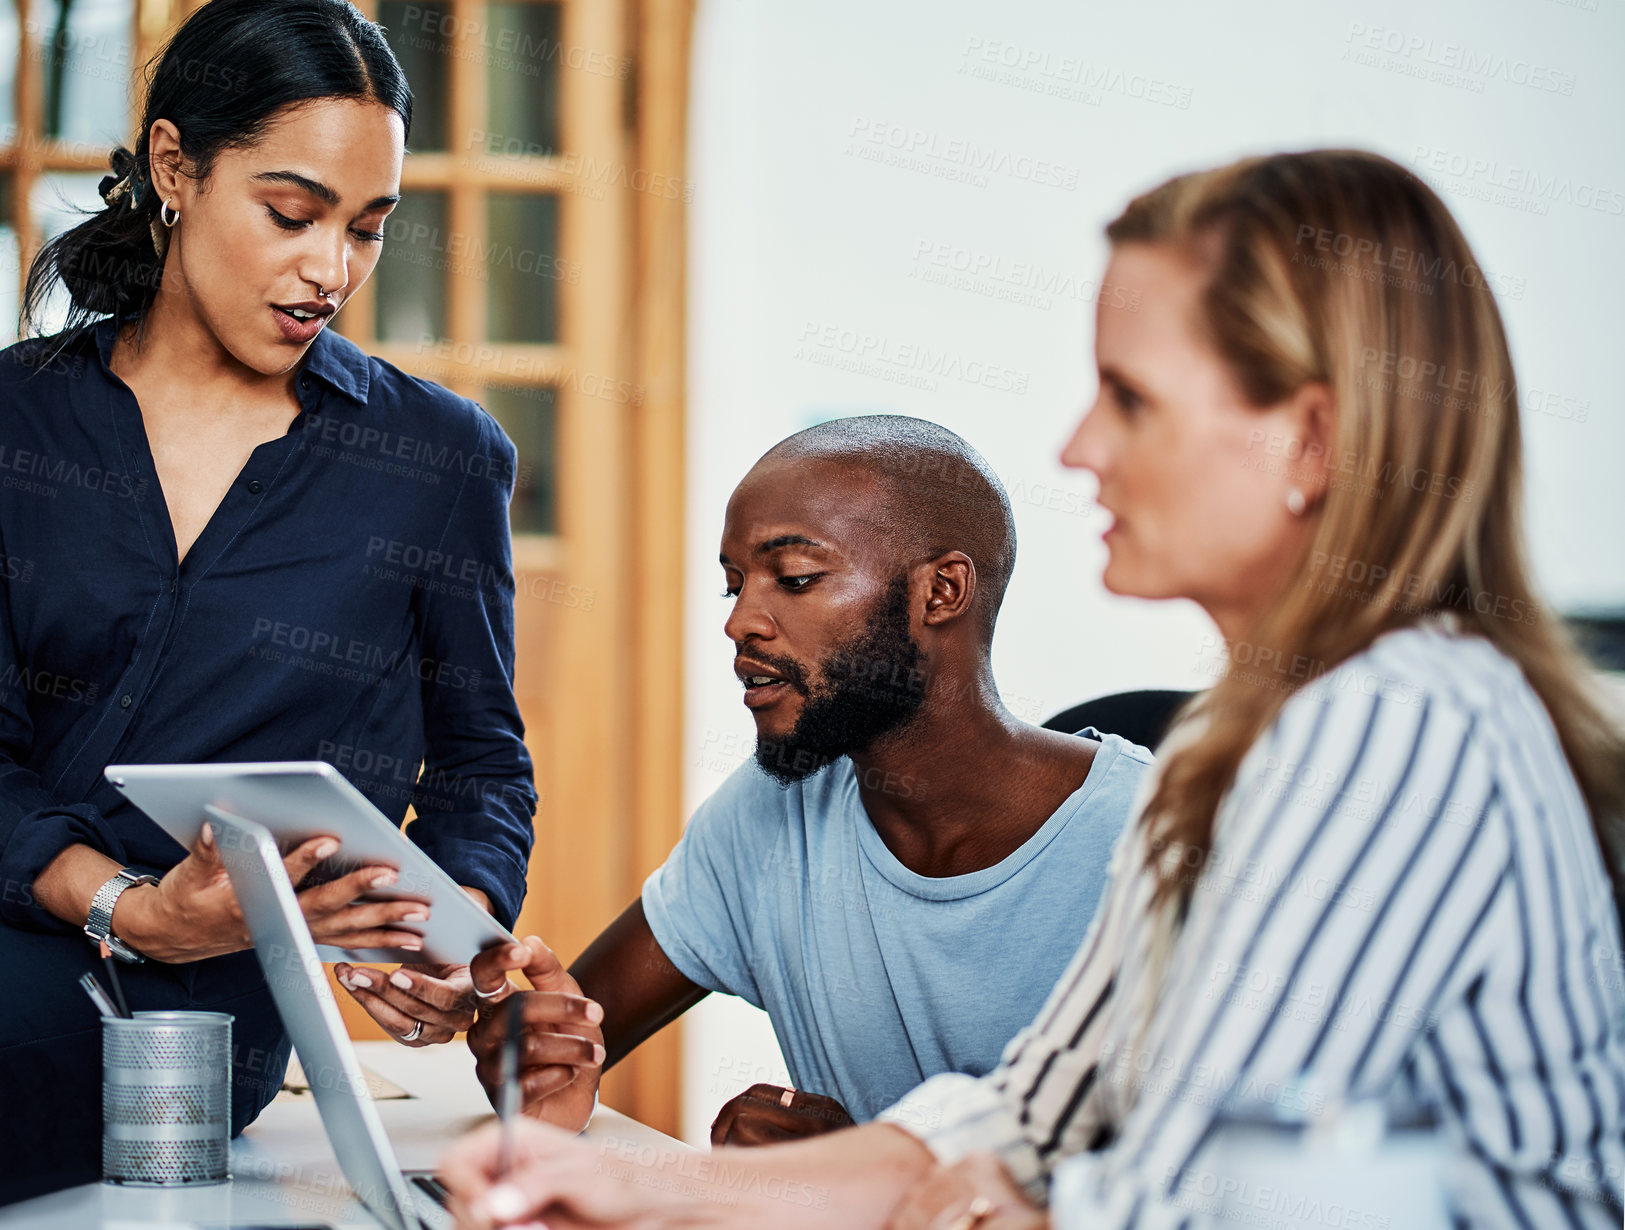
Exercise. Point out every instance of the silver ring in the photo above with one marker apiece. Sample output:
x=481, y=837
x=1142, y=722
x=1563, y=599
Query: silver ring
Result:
x=502, y=990
x=415, y=1034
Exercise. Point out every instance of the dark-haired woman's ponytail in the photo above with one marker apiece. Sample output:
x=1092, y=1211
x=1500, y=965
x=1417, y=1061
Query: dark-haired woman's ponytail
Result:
x=111, y=263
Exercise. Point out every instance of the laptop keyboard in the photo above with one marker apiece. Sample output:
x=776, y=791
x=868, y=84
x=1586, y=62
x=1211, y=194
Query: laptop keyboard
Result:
x=431, y=1187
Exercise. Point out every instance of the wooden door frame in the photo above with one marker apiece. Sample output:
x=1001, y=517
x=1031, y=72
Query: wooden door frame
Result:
x=664, y=39
x=609, y=752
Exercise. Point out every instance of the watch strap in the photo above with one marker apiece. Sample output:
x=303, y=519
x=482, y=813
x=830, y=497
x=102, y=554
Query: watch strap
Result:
x=99, y=921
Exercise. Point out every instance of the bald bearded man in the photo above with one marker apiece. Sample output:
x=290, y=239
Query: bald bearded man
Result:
x=905, y=869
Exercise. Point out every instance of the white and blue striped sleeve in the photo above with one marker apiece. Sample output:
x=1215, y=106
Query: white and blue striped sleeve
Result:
x=1403, y=895
x=1358, y=873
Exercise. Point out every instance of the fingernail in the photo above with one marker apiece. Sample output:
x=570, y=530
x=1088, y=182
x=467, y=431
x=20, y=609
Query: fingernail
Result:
x=595, y=1012
x=412, y=945
x=517, y=954
x=326, y=849
x=416, y=916
x=597, y=1053
x=208, y=833
x=360, y=978
x=383, y=878
x=347, y=981
x=399, y=979
x=505, y=1202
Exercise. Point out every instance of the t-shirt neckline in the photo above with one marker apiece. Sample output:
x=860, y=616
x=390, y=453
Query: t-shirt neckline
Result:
x=956, y=888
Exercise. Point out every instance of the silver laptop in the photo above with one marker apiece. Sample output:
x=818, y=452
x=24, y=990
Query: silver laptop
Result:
x=305, y=999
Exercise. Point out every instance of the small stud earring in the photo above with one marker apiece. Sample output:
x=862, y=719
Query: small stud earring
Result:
x=1296, y=501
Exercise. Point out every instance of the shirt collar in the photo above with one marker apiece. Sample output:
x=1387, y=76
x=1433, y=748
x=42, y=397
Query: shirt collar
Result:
x=341, y=364
x=335, y=361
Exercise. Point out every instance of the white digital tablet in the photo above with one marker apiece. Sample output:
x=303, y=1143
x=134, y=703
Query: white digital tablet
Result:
x=298, y=800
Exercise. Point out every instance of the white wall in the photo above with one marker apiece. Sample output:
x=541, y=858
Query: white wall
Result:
x=797, y=228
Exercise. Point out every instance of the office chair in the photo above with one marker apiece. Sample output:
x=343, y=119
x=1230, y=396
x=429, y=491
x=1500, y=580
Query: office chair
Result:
x=1139, y=717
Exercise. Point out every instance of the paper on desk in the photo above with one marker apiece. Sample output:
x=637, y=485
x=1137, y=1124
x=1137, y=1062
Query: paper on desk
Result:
x=295, y=1088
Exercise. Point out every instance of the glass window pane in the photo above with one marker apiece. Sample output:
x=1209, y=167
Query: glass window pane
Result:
x=411, y=273
x=527, y=414
x=87, y=63
x=523, y=58
x=9, y=273
x=59, y=202
x=522, y=267
x=420, y=35
x=8, y=74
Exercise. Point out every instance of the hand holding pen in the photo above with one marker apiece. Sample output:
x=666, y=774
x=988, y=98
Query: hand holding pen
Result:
x=561, y=1051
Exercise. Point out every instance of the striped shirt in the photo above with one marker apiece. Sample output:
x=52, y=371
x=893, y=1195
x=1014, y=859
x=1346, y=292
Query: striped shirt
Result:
x=1404, y=900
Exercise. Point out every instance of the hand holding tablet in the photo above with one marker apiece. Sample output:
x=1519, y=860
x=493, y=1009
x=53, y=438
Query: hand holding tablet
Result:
x=192, y=913
x=300, y=802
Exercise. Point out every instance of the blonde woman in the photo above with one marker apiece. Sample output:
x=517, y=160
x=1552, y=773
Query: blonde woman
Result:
x=1376, y=861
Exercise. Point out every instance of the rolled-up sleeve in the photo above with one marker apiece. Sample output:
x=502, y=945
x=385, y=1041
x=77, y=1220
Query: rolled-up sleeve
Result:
x=475, y=798
x=33, y=838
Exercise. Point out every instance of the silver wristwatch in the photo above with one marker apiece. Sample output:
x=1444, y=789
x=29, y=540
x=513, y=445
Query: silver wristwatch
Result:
x=99, y=926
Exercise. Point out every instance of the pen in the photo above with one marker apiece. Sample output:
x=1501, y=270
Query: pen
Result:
x=104, y=1005
x=508, y=1097
x=112, y=977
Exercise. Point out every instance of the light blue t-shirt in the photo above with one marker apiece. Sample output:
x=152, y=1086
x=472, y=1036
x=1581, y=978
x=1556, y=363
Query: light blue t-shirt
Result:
x=876, y=978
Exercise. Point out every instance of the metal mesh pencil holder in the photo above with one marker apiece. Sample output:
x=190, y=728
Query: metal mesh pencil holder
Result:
x=166, y=1098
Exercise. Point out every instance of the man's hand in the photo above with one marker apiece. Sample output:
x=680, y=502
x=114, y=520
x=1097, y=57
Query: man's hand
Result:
x=562, y=1052
x=976, y=1191
x=768, y=1115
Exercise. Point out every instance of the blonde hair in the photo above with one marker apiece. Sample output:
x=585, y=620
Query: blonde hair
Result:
x=1339, y=266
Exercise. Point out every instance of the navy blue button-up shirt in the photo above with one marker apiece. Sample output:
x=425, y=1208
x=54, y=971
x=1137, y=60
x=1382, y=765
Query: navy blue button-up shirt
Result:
x=351, y=600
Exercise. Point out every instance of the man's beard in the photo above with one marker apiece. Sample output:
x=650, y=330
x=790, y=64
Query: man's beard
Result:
x=873, y=686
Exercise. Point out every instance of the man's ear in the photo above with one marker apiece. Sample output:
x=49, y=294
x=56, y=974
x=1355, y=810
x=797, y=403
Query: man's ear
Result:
x=950, y=587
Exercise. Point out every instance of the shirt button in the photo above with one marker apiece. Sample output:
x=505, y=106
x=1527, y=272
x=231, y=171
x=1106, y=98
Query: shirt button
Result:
x=125, y=701
x=304, y=382
x=255, y=486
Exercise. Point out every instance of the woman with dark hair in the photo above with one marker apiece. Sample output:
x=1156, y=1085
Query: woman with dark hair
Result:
x=226, y=535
